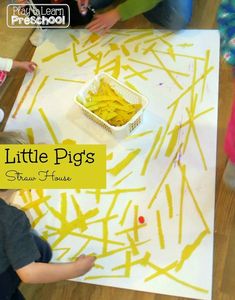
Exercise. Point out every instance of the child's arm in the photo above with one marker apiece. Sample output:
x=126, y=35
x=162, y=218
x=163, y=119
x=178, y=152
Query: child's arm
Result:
x=6, y=64
x=126, y=10
x=45, y=273
x=28, y=66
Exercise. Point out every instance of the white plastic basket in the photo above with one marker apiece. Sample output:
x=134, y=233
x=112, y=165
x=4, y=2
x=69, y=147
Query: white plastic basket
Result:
x=128, y=94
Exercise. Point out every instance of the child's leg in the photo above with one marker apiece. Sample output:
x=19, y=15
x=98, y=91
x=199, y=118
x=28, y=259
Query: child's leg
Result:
x=43, y=247
x=9, y=282
x=172, y=14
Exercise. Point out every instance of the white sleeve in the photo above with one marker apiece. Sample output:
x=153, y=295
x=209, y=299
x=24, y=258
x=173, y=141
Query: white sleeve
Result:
x=6, y=64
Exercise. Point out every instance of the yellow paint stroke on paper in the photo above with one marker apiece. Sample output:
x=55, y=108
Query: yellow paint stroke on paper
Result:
x=30, y=135
x=124, y=163
x=108, y=41
x=99, y=57
x=185, y=45
x=131, y=86
x=132, y=229
x=160, y=231
x=74, y=53
x=119, y=32
x=167, y=71
x=127, y=270
x=109, y=156
x=69, y=142
x=194, y=200
x=125, y=51
x=97, y=195
x=169, y=200
x=197, y=139
x=84, y=62
x=135, y=72
x=140, y=261
x=150, y=48
x=191, y=86
x=113, y=47
x=74, y=38
x=48, y=125
x=103, y=276
x=67, y=227
x=134, y=249
x=148, y=157
x=30, y=203
x=117, y=192
x=173, y=141
x=122, y=179
x=205, y=68
x=125, y=213
x=115, y=68
x=41, y=86
x=69, y=80
x=182, y=55
x=138, y=37
x=158, y=67
x=128, y=264
x=136, y=225
x=171, y=52
x=64, y=252
x=186, y=123
x=81, y=250
x=164, y=271
x=175, y=104
x=51, y=56
x=189, y=249
x=105, y=235
x=164, y=177
x=121, y=249
x=192, y=101
x=83, y=217
x=160, y=270
x=181, y=212
x=138, y=135
x=92, y=39
x=98, y=266
x=136, y=49
x=155, y=38
x=24, y=95
x=88, y=48
x=164, y=41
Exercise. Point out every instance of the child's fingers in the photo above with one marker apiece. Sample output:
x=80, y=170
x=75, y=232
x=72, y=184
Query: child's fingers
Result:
x=32, y=66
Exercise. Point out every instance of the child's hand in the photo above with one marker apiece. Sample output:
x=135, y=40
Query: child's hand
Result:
x=21, y=1
x=103, y=22
x=28, y=66
x=84, y=263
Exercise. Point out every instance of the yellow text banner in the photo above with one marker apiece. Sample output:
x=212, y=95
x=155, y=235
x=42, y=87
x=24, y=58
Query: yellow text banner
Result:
x=52, y=166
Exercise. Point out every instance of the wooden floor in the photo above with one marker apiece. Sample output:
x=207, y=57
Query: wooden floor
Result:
x=224, y=249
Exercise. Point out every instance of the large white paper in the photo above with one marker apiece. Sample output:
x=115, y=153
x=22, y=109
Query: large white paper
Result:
x=171, y=183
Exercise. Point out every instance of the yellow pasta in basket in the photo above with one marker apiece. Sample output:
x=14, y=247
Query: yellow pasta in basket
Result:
x=110, y=106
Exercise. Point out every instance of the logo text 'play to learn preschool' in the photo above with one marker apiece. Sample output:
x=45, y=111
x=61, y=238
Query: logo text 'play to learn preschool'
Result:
x=38, y=15
x=52, y=166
